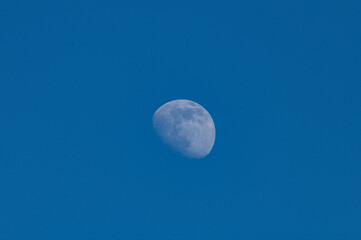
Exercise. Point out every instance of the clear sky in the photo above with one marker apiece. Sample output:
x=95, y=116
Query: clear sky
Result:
x=80, y=81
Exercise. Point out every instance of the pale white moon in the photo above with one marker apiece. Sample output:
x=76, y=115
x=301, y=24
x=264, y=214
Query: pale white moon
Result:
x=186, y=127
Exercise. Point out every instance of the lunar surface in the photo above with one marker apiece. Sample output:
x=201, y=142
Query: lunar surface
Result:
x=186, y=127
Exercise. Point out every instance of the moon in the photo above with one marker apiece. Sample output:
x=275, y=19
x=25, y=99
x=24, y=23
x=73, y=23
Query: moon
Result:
x=186, y=127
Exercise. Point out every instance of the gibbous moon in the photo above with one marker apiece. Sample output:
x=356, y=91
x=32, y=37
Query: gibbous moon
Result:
x=186, y=127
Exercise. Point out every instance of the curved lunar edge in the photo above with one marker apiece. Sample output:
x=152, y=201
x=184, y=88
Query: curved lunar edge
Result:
x=186, y=127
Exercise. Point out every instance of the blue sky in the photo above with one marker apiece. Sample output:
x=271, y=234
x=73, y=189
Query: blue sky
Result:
x=80, y=81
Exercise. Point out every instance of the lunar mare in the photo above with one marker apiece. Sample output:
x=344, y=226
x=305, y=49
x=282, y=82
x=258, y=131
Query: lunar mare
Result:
x=186, y=127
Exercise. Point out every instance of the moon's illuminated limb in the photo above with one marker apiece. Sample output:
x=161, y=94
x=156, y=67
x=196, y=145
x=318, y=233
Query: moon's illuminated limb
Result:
x=186, y=127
